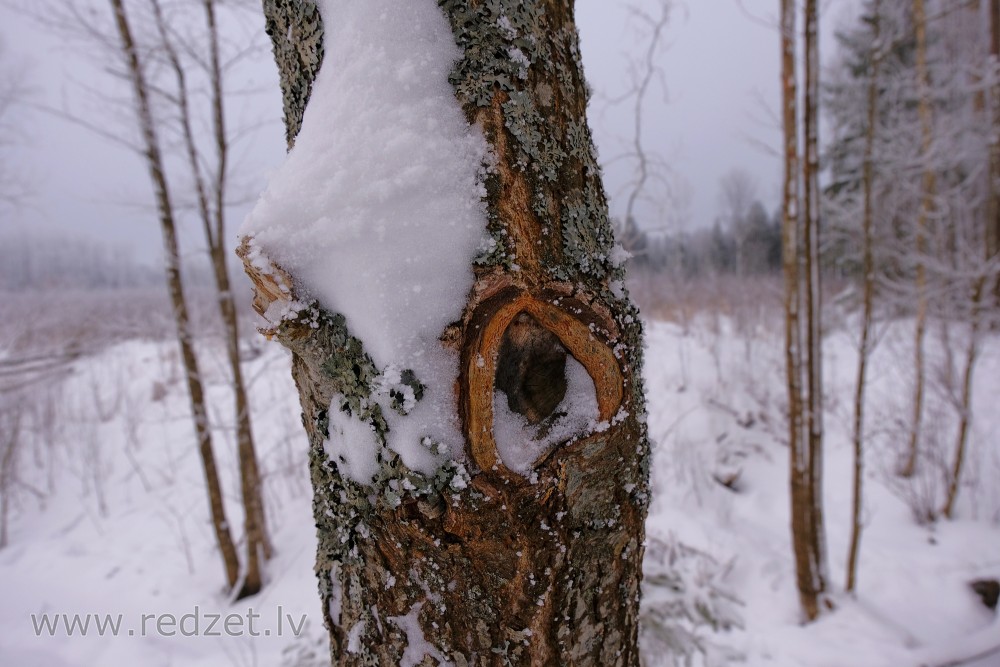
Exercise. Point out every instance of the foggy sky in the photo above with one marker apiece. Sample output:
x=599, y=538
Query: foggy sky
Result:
x=720, y=66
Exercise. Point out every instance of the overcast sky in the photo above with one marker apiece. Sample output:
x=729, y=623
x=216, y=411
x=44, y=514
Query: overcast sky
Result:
x=716, y=113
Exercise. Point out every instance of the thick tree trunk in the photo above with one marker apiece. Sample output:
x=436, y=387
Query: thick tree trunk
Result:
x=192, y=372
x=478, y=564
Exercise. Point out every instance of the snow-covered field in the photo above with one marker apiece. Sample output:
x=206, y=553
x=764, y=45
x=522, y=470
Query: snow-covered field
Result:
x=110, y=515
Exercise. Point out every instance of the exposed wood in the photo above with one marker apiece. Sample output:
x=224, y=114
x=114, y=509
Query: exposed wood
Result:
x=578, y=331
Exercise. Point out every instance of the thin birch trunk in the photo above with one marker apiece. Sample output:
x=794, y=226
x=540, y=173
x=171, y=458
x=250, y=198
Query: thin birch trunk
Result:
x=793, y=327
x=164, y=205
x=993, y=194
x=8, y=460
x=802, y=301
x=965, y=407
x=210, y=198
x=928, y=187
x=255, y=525
x=813, y=305
x=868, y=299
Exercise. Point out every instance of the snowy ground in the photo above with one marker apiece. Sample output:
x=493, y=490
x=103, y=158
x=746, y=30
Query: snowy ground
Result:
x=110, y=513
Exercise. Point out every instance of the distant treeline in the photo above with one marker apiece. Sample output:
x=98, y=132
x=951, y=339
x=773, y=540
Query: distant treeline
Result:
x=749, y=244
x=46, y=262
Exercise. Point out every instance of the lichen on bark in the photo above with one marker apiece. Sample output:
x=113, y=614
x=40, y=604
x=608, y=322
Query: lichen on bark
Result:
x=494, y=568
x=296, y=31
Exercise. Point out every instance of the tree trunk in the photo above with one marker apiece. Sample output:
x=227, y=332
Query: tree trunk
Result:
x=192, y=372
x=867, y=299
x=258, y=544
x=993, y=185
x=10, y=434
x=928, y=187
x=478, y=564
x=965, y=402
x=802, y=334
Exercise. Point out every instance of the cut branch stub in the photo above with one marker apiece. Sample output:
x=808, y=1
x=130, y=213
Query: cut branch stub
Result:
x=578, y=327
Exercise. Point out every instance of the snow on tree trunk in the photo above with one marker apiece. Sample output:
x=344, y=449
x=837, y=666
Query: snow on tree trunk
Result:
x=436, y=253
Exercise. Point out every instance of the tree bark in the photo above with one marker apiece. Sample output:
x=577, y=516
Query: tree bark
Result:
x=258, y=543
x=867, y=299
x=164, y=206
x=965, y=402
x=210, y=195
x=802, y=334
x=478, y=564
x=993, y=185
x=928, y=187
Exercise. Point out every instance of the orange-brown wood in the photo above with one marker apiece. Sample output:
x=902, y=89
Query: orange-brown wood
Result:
x=579, y=329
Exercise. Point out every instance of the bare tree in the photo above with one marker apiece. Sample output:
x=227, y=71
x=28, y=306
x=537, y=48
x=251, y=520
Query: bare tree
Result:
x=10, y=438
x=993, y=184
x=211, y=189
x=737, y=193
x=802, y=311
x=645, y=73
x=868, y=293
x=923, y=220
x=12, y=91
x=650, y=168
x=155, y=163
x=173, y=62
x=931, y=158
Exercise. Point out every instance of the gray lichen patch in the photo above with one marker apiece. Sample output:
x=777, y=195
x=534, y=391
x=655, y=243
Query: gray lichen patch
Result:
x=296, y=31
x=528, y=55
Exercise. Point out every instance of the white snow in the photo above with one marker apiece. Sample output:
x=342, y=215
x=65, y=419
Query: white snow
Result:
x=350, y=445
x=716, y=398
x=520, y=444
x=417, y=646
x=378, y=211
x=107, y=440
x=354, y=637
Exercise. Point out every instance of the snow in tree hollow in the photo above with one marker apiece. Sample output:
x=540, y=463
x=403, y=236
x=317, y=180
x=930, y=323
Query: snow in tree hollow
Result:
x=378, y=209
x=520, y=444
